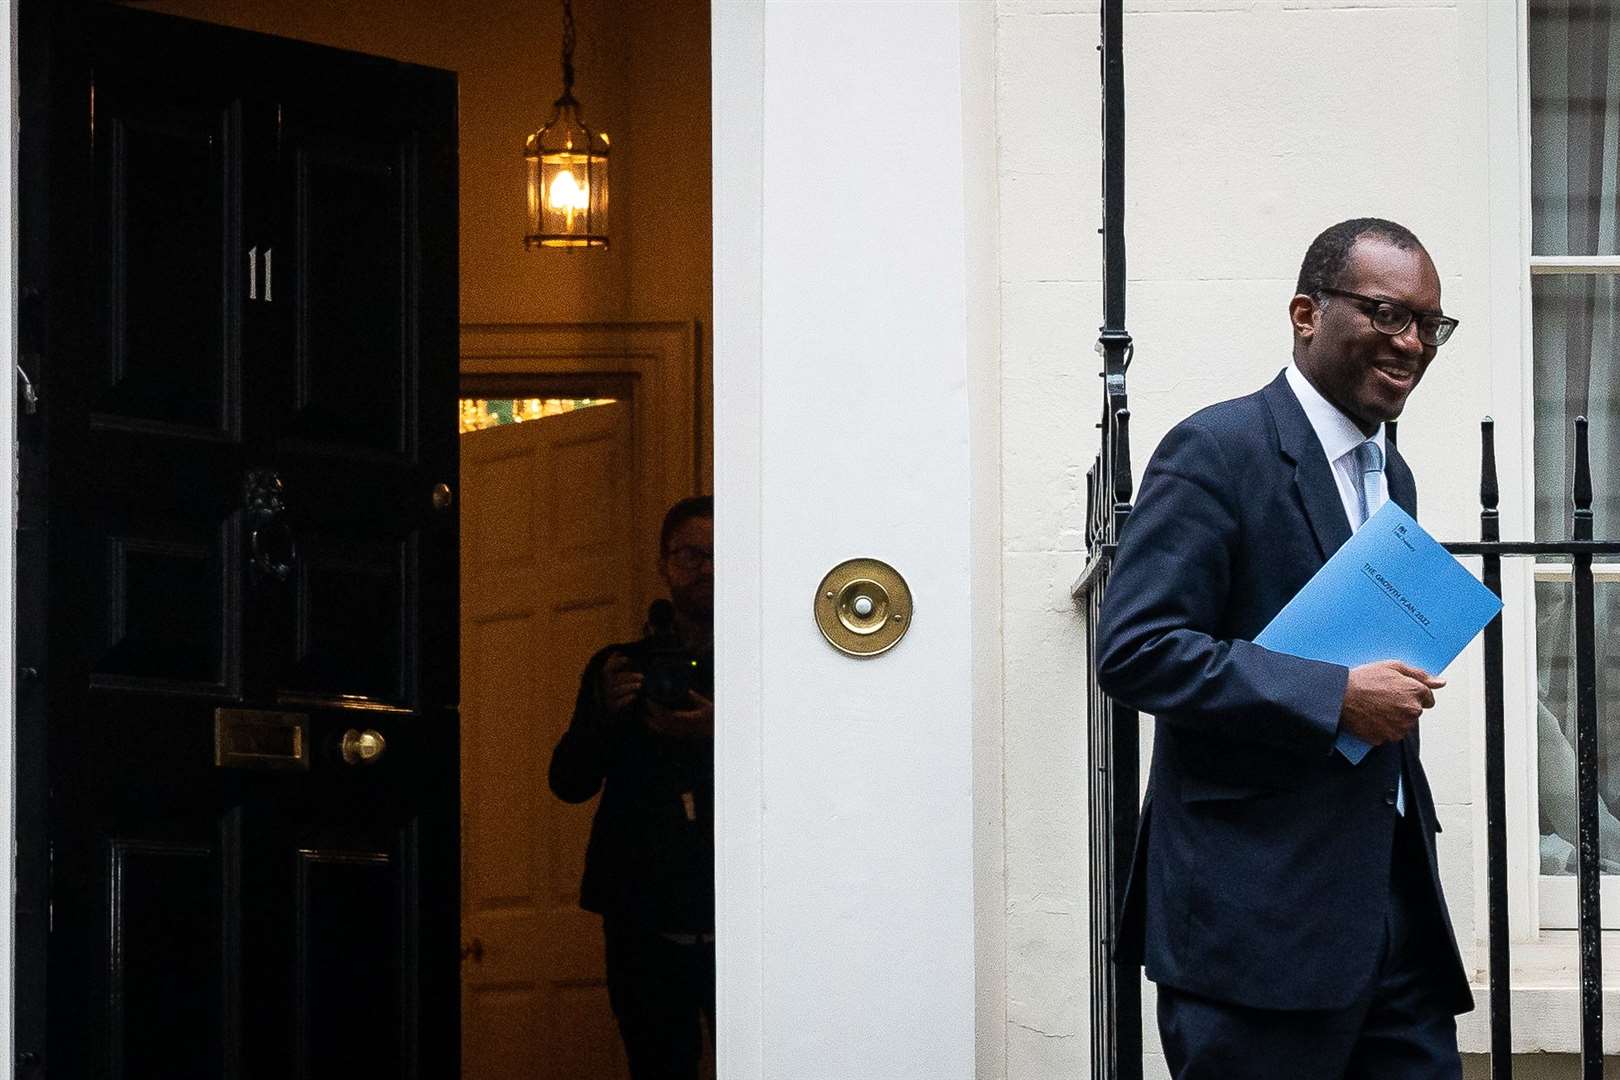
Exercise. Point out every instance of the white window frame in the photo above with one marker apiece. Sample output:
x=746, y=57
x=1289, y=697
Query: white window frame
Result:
x=1555, y=896
x=1544, y=976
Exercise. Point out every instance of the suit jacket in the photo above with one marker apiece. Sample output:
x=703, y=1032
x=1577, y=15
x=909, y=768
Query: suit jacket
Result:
x=650, y=861
x=1262, y=867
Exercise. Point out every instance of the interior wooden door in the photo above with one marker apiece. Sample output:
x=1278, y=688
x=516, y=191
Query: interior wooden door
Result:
x=548, y=579
x=252, y=682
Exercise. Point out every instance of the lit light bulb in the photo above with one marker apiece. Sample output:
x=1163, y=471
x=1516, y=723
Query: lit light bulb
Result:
x=569, y=195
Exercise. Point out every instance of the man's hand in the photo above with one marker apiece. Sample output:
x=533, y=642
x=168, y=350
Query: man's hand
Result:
x=619, y=684
x=694, y=723
x=1383, y=700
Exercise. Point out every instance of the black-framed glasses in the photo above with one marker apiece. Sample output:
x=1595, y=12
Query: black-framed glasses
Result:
x=1391, y=318
x=689, y=558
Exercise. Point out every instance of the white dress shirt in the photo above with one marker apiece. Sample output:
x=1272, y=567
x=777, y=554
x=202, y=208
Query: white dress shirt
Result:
x=1339, y=437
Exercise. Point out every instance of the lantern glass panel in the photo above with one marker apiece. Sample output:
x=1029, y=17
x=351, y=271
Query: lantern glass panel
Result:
x=567, y=185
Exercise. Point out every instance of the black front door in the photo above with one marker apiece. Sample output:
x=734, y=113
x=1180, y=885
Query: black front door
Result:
x=248, y=680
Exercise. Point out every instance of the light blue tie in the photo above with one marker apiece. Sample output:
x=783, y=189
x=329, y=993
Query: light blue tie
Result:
x=1370, y=463
x=1370, y=467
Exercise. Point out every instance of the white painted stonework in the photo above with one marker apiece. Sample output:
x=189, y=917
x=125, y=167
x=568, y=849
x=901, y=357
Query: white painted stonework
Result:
x=1251, y=125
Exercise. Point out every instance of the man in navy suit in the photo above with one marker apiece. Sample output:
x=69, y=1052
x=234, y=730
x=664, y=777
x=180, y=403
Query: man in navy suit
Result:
x=1285, y=898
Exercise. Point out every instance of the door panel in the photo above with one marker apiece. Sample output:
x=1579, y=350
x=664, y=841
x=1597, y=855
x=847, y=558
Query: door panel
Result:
x=547, y=513
x=353, y=600
x=159, y=542
x=247, y=296
x=167, y=981
x=166, y=302
x=163, y=605
x=168, y=205
x=348, y=1011
x=351, y=296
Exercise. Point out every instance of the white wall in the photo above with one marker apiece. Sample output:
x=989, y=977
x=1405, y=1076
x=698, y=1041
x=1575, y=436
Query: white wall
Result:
x=845, y=274
x=1048, y=105
x=1250, y=127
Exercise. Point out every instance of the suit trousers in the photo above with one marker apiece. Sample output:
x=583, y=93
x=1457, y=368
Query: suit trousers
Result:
x=1402, y=1029
x=659, y=989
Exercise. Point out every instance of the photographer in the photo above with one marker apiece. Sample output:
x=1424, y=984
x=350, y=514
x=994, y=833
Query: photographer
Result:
x=643, y=734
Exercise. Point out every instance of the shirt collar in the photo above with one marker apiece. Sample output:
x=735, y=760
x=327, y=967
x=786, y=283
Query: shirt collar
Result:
x=1337, y=433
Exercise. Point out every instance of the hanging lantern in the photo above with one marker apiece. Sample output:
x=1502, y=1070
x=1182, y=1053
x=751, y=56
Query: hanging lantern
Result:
x=568, y=169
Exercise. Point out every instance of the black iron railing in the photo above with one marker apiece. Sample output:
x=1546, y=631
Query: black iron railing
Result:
x=1580, y=549
x=1114, y=775
x=1116, y=990
x=1115, y=772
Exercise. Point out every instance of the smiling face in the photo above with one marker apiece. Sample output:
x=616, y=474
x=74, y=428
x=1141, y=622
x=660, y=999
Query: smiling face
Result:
x=1366, y=373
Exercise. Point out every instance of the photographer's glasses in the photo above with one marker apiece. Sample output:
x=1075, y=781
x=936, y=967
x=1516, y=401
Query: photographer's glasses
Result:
x=1391, y=318
x=689, y=558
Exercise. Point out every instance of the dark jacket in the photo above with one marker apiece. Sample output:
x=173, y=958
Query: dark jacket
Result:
x=650, y=862
x=1262, y=867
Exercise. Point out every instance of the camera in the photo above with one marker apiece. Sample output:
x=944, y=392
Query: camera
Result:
x=667, y=666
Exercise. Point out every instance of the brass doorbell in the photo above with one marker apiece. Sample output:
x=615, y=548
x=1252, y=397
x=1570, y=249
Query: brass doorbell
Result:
x=863, y=607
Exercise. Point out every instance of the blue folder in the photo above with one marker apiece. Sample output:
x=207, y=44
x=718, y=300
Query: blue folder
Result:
x=1390, y=593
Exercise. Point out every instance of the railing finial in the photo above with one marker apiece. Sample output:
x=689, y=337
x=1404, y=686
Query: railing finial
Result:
x=1488, y=493
x=1583, y=482
x=1121, y=455
x=1091, y=508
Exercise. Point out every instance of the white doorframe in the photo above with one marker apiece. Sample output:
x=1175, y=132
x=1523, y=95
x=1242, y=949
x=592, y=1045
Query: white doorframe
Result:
x=855, y=315
x=738, y=119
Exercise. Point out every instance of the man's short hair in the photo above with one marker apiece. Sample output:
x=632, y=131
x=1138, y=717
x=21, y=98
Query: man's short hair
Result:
x=1329, y=253
x=696, y=506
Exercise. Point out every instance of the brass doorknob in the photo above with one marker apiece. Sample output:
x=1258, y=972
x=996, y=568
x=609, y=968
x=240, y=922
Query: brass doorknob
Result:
x=362, y=747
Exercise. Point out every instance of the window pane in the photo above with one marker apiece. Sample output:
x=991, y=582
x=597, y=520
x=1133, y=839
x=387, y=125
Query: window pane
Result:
x=1577, y=331
x=476, y=414
x=1574, y=48
x=1555, y=726
x=1574, y=76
